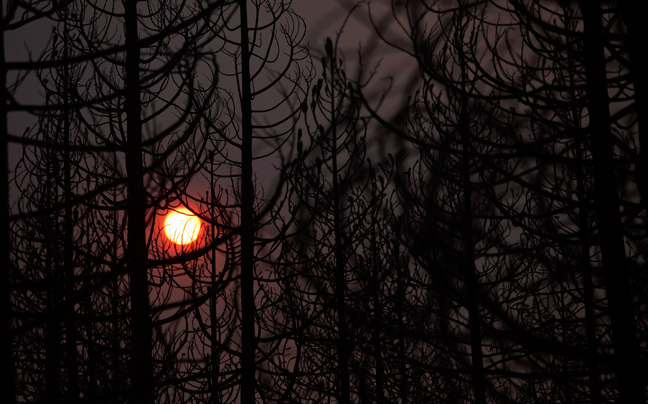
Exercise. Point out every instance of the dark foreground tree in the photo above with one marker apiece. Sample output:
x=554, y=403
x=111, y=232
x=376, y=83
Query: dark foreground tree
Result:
x=120, y=107
x=559, y=116
x=330, y=163
x=268, y=74
x=15, y=17
x=497, y=256
x=237, y=344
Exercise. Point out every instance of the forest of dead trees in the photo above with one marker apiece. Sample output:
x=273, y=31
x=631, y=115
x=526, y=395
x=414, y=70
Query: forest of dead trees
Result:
x=477, y=236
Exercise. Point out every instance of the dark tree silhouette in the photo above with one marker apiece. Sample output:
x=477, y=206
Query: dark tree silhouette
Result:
x=270, y=77
x=561, y=137
x=115, y=80
x=337, y=198
x=481, y=239
x=238, y=353
x=13, y=16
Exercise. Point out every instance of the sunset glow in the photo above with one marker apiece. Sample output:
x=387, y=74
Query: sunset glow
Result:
x=181, y=226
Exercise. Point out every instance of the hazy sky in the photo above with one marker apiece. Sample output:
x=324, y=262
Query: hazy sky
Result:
x=324, y=18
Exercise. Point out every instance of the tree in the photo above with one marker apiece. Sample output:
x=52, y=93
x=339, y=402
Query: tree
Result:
x=264, y=71
x=286, y=78
x=13, y=16
x=336, y=196
x=482, y=242
x=548, y=151
x=116, y=88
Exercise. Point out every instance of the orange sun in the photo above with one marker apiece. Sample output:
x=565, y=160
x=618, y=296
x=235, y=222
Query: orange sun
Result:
x=181, y=226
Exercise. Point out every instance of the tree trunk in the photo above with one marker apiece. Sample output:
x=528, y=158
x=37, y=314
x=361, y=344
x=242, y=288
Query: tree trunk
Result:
x=340, y=261
x=7, y=385
x=213, y=300
x=68, y=231
x=472, y=297
x=594, y=378
x=468, y=253
x=141, y=381
x=117, y=381
x=248, y=306
x=376, y=339
x=399, y=308
x=614, y=260
x=52, y=327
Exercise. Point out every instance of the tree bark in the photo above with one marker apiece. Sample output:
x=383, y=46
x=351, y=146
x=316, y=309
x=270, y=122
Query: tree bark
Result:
x=472, y=285
x=614, y=260
x=468, y=253
x=141, y=367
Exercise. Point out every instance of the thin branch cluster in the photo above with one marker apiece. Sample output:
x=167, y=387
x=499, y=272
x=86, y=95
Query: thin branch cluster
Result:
x=478, y=236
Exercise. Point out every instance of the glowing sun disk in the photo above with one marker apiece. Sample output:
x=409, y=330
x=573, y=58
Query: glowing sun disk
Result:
x=181, y=226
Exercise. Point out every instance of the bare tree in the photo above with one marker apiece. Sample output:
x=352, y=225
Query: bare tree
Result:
x=336, y=197
x=564, y=191
x=114, y=97
x=13, y=16
x=238, y=353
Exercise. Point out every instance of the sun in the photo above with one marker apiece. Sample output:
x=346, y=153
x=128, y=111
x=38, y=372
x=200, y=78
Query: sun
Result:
x=181, y=226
